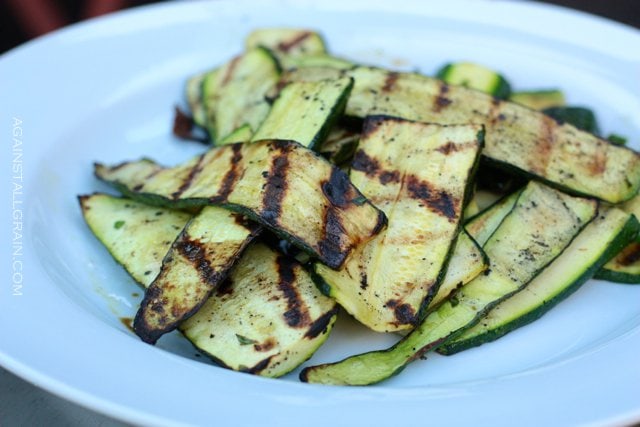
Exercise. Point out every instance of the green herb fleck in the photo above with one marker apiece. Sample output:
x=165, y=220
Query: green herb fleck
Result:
x=118, y=224
x=245, y=341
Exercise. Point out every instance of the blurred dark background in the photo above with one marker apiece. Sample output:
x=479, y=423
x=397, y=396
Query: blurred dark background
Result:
x=22, y=20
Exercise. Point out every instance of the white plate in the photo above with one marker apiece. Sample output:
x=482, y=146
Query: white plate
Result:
x=104, y=90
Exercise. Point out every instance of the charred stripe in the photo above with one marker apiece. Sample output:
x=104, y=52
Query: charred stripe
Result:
x=189, y=179
x=320, y=325
x=230, y=178
x=276, y=186
x=287, y=46
x=297, y=314
x=438, y=201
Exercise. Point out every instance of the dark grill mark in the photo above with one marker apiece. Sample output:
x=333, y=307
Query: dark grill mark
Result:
x=340, y=193
x=438, y=201
x=404, y=313
x=441, y=100
x=196, y=254
x=598, y=164
x=338, y=190
x=265, y=346
x=296, y=315
x=389, y=176
x=363, y=163
x=230, y=178
x=630, y=254
x=259, y=367
x=287, y=46
x=225, y=288
x=390, y=81
x=448, y=148
x=189, y=179
x=371, y=124
x=276, y=187
x=320, y=325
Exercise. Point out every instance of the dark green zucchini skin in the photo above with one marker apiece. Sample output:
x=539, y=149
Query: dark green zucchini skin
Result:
x=624, y=267
x=627, y=234
x=580, y=117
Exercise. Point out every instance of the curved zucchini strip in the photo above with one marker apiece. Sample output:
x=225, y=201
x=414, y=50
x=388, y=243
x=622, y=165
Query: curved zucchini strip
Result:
x=539, y=227
x=266, y=319
x=475, y=76
x=518, y=139
x=485, y=223
x=234, y=94
x=197, y=262
x=137, y=235
x=539, y=99
x=287, y=44
x=467, y=261
x=279, y=184
x=601, y=238
x=419, y=174
x=624, y=267
x=306, y=111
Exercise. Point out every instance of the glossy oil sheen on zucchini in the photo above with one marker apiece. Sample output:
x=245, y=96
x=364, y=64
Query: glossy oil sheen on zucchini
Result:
x=419, y=175
x=517, y=138
x=306, y=111
x=601, y=238
x=197, y=262
x=266, y=319
x=137, y=235
x=279, y=184
x=540, y=226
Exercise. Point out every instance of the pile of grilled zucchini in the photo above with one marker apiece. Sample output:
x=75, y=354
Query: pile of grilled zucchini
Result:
x=450, y=209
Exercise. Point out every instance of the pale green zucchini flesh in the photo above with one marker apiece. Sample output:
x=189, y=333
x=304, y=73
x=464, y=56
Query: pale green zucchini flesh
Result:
x=195, y=265
x=539, y=99
x=137, y=235
x=475, y=76
x=540, y=226
x=234, y=94
x=279, y=184
x=306, y=111
x=267, y=318
x=481, y=226
x=419, y=175
x=518, y=139
x=467, y=261
x=602, y=237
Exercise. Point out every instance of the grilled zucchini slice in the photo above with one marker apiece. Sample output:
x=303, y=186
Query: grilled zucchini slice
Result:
x=306, y=111
x=234, y=94
x=287, y=44
x=419, y=175
x=266, y=319
x=518, y=139
x=624, y=267
x=475, y=76
x=279, y=184
x=539, y=99
x=137, y=235
x=195, y=265
x=540, y=226
x=604, y=236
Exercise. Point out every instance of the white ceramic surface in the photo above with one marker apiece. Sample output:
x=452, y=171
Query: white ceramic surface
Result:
x=104, y=90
